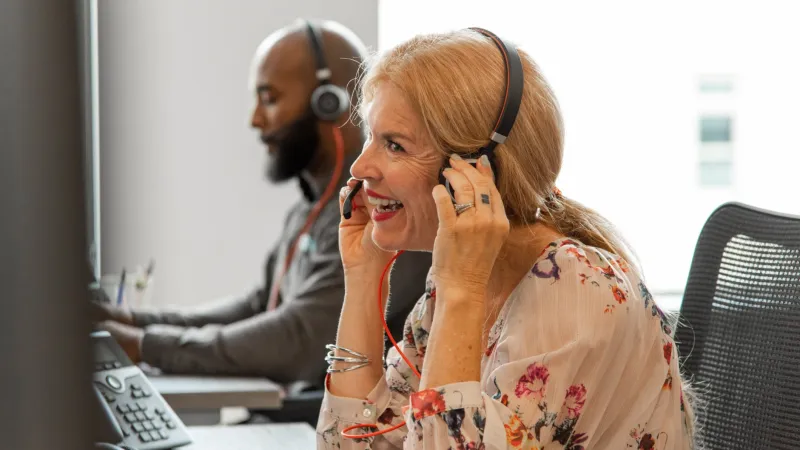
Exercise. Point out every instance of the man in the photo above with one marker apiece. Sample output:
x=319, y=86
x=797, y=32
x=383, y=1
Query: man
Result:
x=245, y=336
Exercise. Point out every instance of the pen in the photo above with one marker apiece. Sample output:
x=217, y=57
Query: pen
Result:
x=121, y=288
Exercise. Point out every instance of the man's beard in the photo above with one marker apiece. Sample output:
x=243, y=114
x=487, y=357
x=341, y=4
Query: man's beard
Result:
x=295, y=147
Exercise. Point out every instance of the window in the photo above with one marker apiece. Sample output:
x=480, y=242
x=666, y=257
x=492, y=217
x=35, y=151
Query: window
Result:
x=716, y=152
x=717, y=105
x=715, y=129
x=661, y=126
x=716, y=86
x=715, y=173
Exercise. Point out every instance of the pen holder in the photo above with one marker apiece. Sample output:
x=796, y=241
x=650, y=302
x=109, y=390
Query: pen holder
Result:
x=137, y=292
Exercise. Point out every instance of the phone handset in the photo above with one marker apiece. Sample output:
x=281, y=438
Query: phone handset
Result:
x=347, y=207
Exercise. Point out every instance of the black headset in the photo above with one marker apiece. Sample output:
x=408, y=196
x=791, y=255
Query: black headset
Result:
x=328, y=101
x=508, y=113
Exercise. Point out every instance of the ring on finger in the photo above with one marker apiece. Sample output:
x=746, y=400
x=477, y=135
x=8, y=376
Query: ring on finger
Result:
x=461, y=207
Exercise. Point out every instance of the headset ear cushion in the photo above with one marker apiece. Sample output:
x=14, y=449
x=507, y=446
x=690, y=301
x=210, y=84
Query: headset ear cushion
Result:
x=329, y=102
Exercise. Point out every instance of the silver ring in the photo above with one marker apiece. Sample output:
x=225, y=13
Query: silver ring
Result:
x=461, y=207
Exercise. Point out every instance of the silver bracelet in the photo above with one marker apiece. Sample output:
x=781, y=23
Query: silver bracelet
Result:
x=347, y=369
x=345, y=359
x=333, y=347
x=360, y=360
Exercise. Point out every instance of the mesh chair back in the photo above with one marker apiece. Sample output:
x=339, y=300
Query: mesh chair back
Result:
x=739, y=330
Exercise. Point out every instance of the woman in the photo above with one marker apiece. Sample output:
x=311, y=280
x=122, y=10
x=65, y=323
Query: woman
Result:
x=535, y=331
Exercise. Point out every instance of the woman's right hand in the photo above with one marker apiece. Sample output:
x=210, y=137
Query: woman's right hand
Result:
x=358, y=250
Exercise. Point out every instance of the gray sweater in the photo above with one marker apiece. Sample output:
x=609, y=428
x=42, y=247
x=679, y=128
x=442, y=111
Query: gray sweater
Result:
x=237, y=336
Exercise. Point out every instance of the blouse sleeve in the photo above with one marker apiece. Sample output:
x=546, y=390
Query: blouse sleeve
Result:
x=384, y=405
x=582, y=363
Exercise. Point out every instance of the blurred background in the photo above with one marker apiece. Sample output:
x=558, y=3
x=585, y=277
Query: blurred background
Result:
x=674, y=107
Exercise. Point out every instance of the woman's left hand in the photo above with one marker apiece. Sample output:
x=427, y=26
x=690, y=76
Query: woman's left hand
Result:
x=467, y=245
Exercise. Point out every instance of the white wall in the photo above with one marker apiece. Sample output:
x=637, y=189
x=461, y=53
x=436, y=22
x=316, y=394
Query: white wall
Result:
x=181, y=172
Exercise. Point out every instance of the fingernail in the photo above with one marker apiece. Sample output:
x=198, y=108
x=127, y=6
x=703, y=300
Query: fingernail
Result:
x=484, y=161
x=455, y=157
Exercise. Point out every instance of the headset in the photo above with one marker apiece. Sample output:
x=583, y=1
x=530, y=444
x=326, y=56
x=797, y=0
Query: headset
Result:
x=505, y=120
x=328, y=101
x=508, y=112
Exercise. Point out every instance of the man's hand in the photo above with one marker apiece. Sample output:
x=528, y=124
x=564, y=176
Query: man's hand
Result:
x=101, y=312
x=128, y=337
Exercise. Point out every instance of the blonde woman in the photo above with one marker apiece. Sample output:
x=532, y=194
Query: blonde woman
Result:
x=535, y=330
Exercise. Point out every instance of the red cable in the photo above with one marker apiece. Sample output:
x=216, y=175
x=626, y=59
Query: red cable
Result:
x=272, y=303
x=345, y=432
x=383, y=316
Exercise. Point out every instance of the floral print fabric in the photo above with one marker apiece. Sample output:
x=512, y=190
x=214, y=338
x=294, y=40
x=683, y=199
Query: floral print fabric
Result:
x=580, y=357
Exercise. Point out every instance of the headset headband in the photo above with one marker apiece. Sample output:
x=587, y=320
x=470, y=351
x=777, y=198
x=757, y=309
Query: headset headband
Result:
x=323, y=72
x=513, y=94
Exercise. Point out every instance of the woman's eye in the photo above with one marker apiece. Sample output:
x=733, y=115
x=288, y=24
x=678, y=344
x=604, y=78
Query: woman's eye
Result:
x=394, y=147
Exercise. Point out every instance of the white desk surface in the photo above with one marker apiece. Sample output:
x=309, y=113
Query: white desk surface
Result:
x=289, y=436
x=211, y=392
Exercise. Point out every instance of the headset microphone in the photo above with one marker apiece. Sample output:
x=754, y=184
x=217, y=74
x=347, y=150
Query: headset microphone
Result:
x=347, y=207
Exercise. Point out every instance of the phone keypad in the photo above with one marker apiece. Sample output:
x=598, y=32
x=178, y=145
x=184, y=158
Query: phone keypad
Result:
x=144, y=420
x=149, y=424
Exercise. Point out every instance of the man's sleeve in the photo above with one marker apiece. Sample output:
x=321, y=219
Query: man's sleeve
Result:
x=222, y=311
x=284, y=345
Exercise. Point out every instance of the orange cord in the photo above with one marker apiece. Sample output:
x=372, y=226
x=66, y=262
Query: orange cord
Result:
x=272, y=303
x=345, y=432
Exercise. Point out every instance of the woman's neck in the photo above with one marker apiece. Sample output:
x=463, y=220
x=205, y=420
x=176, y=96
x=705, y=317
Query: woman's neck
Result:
x=522, y=247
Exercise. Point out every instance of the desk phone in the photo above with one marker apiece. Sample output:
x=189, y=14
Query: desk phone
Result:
x=138, y=414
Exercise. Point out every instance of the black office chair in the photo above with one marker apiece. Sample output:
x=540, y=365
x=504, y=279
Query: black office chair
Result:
x=739, y=330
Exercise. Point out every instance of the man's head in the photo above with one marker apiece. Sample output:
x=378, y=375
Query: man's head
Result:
x=283, y=79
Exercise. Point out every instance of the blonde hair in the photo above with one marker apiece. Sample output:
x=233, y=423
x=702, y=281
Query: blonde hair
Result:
x=455, y=81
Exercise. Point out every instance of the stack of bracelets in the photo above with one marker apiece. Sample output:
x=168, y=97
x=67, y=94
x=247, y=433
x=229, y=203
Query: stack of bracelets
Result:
x=356, y=360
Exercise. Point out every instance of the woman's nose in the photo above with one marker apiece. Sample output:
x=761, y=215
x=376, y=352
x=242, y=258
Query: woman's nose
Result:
x=366, y=166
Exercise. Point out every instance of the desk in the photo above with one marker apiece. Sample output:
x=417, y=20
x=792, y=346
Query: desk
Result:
x=290, y=436
x=198, y=399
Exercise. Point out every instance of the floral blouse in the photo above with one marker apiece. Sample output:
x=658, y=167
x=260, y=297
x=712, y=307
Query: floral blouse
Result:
x=580, y=357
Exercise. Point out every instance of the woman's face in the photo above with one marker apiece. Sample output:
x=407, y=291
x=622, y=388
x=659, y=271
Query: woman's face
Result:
x=398, y=164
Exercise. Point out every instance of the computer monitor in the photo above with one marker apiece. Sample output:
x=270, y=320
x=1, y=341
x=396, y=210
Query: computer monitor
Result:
x=44, y=324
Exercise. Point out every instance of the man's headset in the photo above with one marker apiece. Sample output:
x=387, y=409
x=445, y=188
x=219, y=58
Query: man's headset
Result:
x=505, y=121
x=328, y=101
